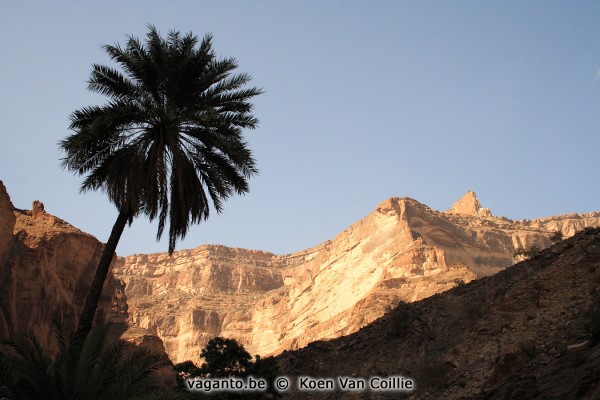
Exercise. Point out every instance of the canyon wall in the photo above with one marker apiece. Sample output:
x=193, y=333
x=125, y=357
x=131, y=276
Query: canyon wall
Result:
x=402, y=251
x=46, y=268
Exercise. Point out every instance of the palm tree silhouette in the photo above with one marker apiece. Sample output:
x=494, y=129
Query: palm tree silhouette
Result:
x=167, y=143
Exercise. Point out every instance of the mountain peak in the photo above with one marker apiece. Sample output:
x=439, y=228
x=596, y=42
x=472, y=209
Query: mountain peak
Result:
x=469, y=205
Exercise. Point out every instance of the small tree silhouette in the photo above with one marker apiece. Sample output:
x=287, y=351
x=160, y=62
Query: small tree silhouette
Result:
x=521, y=253
x=226, y=358
x=556, y=236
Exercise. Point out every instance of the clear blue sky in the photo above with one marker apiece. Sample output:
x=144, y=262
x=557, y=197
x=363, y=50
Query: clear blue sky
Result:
x=363, y=101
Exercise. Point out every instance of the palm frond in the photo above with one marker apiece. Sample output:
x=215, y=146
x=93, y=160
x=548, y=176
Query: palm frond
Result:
x=110, y=82
x=135, y=370
x=33, y=373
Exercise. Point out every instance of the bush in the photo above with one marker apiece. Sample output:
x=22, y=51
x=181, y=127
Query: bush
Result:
x=459, y=282
x=223, y=358
x=556, y=236
x=185, y=370
x=521, y=253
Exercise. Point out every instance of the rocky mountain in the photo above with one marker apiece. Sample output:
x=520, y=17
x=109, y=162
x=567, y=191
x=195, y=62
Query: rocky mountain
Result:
x=402, y=251
x=531, y=331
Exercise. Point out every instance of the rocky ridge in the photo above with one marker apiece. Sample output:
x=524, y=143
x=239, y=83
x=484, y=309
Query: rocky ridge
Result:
x=402, y=251
x=523, y=333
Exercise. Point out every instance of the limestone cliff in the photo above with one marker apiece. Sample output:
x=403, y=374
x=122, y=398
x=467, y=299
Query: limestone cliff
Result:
x=401, y=251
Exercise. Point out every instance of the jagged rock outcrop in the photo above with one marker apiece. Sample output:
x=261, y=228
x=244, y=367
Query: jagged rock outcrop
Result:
x=403, y=251
x=469, y=205
x=45, y=273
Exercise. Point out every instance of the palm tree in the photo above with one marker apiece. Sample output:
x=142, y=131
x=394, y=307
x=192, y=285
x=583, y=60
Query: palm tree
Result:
x=167, y=143
x=97, y=368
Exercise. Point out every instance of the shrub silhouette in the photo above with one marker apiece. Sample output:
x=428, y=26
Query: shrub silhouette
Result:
x=556, y=236
x=223, y=358
x=521, y=253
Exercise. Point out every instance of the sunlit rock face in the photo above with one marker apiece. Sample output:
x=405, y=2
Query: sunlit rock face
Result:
x=402, y=251
x=469, y=205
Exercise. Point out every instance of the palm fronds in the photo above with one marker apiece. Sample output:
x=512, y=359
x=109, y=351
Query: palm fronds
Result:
x=101, y=367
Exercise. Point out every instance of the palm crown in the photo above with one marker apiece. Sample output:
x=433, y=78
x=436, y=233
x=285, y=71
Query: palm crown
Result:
x=170, y=137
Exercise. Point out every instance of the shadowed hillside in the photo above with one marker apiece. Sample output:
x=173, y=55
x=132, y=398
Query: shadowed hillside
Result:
x=521, y=334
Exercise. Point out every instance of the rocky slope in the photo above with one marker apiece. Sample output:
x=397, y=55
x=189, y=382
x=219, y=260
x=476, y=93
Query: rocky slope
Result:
x=401, y=251
x=524, y=333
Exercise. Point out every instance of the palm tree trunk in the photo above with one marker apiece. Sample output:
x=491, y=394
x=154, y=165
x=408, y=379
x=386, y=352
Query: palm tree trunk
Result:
x=91, y=301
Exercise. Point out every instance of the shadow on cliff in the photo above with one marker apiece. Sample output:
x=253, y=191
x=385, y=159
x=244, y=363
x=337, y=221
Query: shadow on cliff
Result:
x=529, y=332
